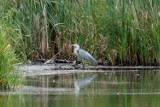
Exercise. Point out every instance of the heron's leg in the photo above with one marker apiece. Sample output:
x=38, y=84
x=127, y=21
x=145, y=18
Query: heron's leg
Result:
x=76, y=60
x=80, y=63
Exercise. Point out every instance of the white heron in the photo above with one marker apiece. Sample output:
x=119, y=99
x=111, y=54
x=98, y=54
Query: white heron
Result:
x=83, y=54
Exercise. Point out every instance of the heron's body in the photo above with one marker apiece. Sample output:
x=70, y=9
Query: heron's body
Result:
x=83, y=54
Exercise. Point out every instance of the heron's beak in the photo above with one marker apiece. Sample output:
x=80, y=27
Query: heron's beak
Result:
x=72, y=45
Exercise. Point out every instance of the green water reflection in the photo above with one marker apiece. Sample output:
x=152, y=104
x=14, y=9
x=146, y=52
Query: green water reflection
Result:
x=107, y=89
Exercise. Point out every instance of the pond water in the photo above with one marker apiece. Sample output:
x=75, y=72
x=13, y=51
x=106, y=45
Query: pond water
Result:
x=115, y=88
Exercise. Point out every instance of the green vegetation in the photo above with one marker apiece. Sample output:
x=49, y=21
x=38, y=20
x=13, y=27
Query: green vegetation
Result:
x=119, y=31
x=8, y=41
x=8, y=77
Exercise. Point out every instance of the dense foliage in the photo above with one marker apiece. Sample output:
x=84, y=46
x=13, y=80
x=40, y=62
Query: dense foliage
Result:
x=9, y=39
x=8, y=76
x=124, y=32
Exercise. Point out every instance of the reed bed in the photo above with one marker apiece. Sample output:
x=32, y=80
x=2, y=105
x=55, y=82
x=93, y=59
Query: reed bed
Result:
x=118, y=31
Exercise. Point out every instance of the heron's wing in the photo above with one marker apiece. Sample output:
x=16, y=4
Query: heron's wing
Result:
x=85, y=55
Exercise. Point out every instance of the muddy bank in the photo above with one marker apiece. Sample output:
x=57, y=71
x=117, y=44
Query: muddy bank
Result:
x=63, y=68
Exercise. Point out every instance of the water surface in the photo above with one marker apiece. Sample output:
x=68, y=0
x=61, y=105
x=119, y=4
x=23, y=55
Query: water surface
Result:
x=120, y=88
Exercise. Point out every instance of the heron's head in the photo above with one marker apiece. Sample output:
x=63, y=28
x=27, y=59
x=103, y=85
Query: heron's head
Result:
x=76, y=46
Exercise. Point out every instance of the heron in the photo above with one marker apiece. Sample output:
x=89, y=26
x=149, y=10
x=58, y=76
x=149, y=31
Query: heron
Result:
x=83, y=54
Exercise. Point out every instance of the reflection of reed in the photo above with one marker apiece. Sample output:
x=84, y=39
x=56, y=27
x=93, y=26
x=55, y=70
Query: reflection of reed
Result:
x=82, y=82
x=64, y=80
x=46, y=84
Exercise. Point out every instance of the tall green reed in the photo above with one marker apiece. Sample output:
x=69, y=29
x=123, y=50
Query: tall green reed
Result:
x=125, y=26
x=123, y=32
